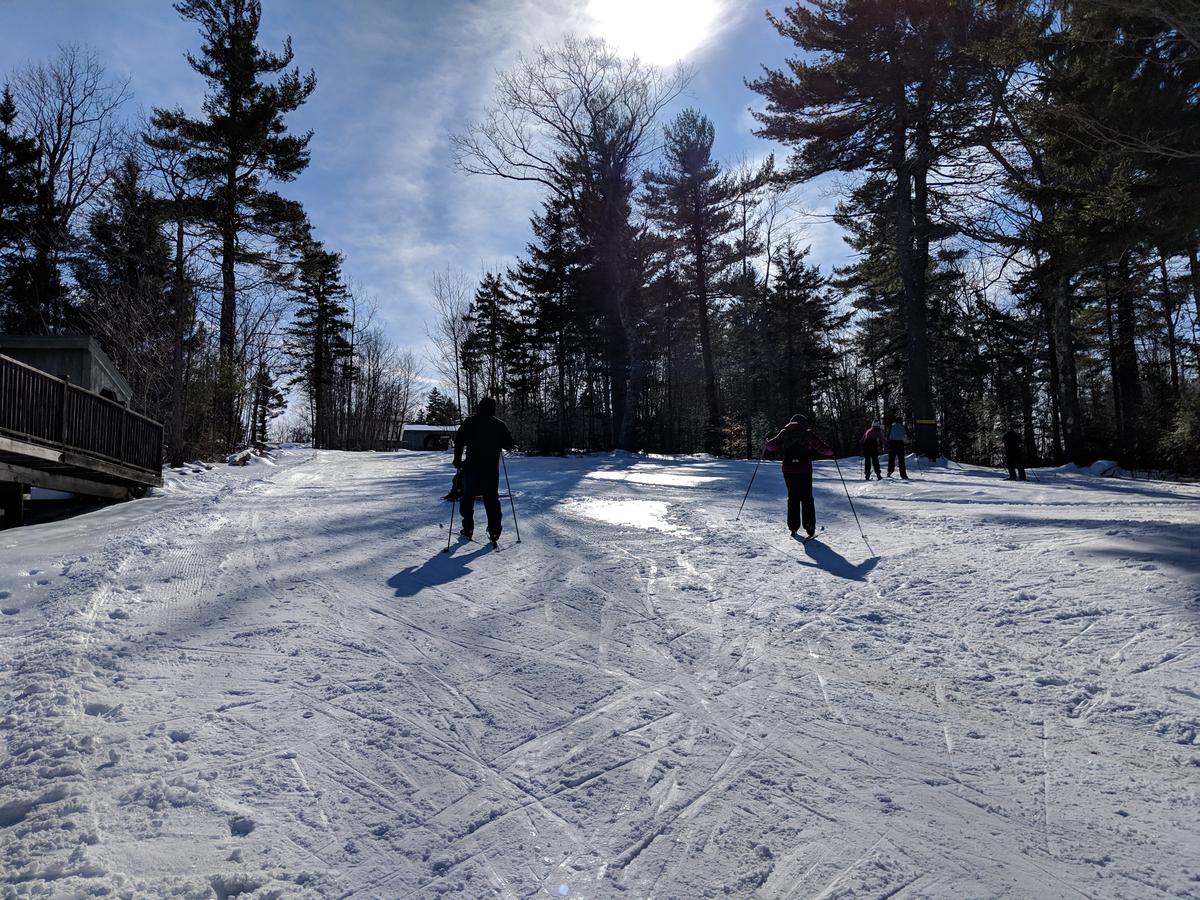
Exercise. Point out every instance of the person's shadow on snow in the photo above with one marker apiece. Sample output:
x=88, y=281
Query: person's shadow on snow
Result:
x=435, y=571
x=825, y=557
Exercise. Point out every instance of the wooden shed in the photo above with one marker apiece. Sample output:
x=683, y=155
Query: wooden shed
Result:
x=427, y=437
x=77, y=359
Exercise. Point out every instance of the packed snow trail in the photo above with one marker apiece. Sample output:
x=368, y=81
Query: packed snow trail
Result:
x=271, y=681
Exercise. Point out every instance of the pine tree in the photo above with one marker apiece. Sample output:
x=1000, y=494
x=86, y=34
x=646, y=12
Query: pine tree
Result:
x=18, y=198
x=551, y=279
x=124, y=272
x=268, y=402
x=317, y=337
x=692, y=203
x=491, y=331
x=578, y=119
x=803, y=319
x=895, y=90
x=240, y=145
x=440, y=410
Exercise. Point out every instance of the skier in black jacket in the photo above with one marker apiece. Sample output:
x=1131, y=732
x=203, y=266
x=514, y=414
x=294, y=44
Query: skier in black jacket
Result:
x=1012, y=455
x=483, y=437
x=798, y=446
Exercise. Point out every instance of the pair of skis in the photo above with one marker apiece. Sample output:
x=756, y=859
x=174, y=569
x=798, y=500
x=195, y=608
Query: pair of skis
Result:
x=805, y=538
x=808, y=537
x=494, y=544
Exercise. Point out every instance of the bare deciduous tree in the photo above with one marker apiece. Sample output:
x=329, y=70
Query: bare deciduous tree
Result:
x=451, y=290
x=579, y=120
x=72, y=109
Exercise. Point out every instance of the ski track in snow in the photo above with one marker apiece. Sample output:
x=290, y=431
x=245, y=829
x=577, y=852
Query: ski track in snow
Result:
x=269, y=681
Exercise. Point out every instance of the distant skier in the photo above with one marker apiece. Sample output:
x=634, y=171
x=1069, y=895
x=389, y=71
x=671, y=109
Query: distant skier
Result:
x=872, y=446
x=896, y=438
x=797, y=447
x=1012, y=455
x=483, y=437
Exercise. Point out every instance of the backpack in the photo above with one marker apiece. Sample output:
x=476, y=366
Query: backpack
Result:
x=796, y=448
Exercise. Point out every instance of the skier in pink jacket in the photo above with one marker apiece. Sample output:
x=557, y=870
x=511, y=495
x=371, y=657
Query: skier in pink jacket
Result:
x=797, y=447
x=872, y=446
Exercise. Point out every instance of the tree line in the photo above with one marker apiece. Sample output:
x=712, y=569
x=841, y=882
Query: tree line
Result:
x=1016, y=180
x=170, y=242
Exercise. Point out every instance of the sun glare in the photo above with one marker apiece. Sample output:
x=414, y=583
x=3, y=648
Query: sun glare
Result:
x=660, y=32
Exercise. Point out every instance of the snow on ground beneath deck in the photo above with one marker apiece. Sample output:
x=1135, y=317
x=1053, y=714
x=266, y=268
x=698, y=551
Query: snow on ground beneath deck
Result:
x=270, y=681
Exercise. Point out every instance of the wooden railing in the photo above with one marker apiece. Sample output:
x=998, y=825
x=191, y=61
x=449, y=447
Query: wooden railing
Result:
x=41, y=409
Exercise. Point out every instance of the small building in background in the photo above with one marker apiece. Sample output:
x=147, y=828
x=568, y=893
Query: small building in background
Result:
x=77, y=359
x=427, y=437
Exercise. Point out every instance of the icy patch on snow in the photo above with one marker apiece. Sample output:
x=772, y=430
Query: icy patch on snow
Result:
x=657, y=477
x=650, y=515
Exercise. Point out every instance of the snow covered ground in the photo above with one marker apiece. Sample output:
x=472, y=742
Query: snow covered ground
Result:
x=268, y=680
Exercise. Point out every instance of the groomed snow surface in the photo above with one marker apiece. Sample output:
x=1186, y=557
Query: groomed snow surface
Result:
x=269, y=681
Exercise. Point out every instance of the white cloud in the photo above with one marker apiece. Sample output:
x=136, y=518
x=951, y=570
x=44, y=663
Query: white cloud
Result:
x=405, y=213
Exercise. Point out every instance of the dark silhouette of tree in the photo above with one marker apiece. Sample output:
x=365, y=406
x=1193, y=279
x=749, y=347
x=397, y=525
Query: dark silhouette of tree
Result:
x=71, y=108
x=19, y=158
x=239, y=146
x=578, y=120
x=694, y=206
x=893, y=90
x=317, y=338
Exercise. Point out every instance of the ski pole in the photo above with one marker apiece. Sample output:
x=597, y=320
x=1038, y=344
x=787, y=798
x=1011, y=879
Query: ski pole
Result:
x=750, y=485
x=511, y=504
x=861, y=534
x=450, y=532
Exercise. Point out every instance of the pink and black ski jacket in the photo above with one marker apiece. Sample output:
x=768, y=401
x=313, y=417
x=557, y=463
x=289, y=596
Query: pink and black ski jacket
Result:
x=798, y=463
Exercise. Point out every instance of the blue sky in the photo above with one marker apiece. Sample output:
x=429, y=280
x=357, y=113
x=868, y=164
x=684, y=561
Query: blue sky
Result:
x=394, y=80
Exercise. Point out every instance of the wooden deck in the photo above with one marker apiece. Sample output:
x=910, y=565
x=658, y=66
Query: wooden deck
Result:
x=56, y=435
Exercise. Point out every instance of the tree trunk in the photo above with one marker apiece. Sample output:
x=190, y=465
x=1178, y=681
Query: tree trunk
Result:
x=1194, y=260
x=1056, y=450
x=1168, y=306
x=227, y=339
x=561, y=359
x=1127, y=361
x=1028, y=437
x=618, y=373
x=175, y=449
x=790, y=369
x=912, y=257
x=1114, y=362
x=624, y=362
x=1070, y=416
x=712, y=437
x=912, y=276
